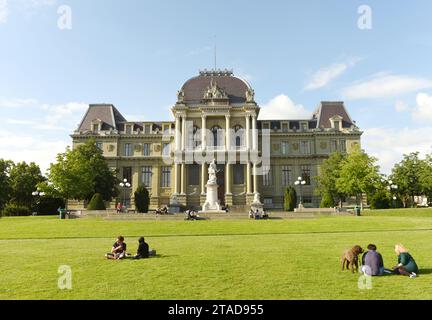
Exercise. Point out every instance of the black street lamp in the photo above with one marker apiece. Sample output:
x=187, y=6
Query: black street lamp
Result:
x=125, y=185
x=300, y=182
x=38, y=194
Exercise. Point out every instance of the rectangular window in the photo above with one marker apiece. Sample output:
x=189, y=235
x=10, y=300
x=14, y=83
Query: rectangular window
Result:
x=333, y=146
x=342, y=145
x=128, y=129
x=284, y=127
x=306, y=174
x=147, y=128
x=304, y=126
x=146, y=176
x=266, y=125
x=166, y=149
x=194, y=175
x=127, y=174
x=146, y=149
x=95, y=127
x=267, y=176
x=99, y=145
x=284, y=147
x=128, y=149
x=166, y=129
x=268, y=201
x=238, y=174
x=166, y=177
x=305, y=147
x=286, y=175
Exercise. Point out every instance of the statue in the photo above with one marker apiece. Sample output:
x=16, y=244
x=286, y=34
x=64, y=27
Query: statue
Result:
x=212, y=171
x=180, y=96
x=250, y=95
x=214, y=92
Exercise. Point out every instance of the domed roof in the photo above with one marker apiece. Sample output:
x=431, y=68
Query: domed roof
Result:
x=195, y=88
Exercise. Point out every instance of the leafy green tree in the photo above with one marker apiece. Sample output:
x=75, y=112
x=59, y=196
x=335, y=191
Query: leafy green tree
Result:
x=380, y=199
x=408, y=176
x=24, y=179
x=5, y=188
x=80, y=173
x=329, y=172
x=290, y=199
x=358, y=175
x=96, y=202
x=426, y=177
x=142, y=199
x=327, y=201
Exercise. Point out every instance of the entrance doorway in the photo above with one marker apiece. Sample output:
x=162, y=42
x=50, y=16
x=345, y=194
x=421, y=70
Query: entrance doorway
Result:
x=220, y=176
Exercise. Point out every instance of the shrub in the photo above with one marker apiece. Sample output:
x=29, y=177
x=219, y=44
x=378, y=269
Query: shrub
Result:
x=327, y=201
x=290, y=199
x=49, y=205
x=96, y=203
x=142, y=199
x=14, y=210
x=380, y=200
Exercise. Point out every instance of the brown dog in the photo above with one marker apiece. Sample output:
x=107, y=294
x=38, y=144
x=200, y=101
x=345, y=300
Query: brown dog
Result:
x=350, y=257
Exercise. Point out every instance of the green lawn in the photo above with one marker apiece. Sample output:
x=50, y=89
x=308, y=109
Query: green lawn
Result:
x=242, y=259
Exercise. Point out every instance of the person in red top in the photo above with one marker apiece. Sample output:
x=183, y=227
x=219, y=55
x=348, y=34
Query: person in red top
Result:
x=119, y=207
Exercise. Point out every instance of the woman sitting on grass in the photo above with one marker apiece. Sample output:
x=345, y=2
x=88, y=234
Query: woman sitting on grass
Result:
x=406, y=263
x=118, y=250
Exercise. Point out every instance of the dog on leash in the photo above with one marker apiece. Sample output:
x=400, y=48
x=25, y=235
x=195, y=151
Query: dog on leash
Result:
x=350, y=258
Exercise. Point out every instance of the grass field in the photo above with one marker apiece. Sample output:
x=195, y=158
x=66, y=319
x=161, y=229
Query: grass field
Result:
x=239, y=259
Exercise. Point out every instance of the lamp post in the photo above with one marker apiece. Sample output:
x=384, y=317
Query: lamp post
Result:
x=392, y=188
x=125, y=185
x=300, y=182
x=38, y=194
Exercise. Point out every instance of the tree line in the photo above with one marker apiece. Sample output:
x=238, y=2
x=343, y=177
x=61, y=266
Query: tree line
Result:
x=357, y=174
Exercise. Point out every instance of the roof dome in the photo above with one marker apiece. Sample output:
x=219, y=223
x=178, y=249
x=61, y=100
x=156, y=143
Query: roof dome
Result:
x=195, y=88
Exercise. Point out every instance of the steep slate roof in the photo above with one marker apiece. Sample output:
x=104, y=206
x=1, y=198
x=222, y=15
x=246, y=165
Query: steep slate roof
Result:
x=235, y=87
x=329, y=109
x=107, y=113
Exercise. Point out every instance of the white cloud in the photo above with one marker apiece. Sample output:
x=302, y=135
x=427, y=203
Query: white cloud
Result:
x=282, y=107
x=422, y=112
x=38, y=149
x=401, y=106
x=325, y=75
x=390, y=144
x=383, y=85
x=4, y=11
x=18, y=103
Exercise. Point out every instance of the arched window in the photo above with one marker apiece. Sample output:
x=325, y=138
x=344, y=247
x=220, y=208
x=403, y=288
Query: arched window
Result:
x=217, y=136
x=239, y=136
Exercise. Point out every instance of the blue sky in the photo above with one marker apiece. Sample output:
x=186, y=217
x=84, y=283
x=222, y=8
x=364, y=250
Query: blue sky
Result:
x=136, y=54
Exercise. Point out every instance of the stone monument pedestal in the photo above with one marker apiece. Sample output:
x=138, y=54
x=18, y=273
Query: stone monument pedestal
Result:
x=257, y=205
x=212, y=203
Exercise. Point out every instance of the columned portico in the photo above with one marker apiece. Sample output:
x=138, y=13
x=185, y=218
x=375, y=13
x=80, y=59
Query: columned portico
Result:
x=203, y=132
x=228, y=132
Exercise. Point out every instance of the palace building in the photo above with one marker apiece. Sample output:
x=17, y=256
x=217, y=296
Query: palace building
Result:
x=216, y=117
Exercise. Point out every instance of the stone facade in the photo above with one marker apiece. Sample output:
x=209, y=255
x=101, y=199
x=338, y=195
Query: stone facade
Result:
x=216, y=117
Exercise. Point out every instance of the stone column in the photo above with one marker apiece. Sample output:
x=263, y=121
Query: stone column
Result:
x=248, y=179
x=155, y=184
x=248, y=132
x=254, y=133
x=177, y=133
x=255, y=179
x=203, y=132
x=183, y=135
x=176, y=178
x=228, y=132
x=183, y=179
x=228, y=178
x=203, y=177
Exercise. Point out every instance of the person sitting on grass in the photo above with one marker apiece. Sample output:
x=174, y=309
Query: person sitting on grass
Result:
x=118, y=250
x=406, y=263
x=143, y=249
x=372, y=261
x=251, y=214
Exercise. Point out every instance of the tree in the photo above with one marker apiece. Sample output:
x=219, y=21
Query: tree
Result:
x=80, y=173
x=96, y=203
x=5, y=188
x=380, y=199
x=326, y=180
x=142, y=199
x=426, y=177
x=358, y=175
x=24, y=179
x=290, y=199
x=407, y=175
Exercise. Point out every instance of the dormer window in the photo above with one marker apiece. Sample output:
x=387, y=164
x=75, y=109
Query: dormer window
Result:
x=147, y=129
x=166, y=129
x=128, y=129
x=96, y=126
x=304, y=126
x=336, y=122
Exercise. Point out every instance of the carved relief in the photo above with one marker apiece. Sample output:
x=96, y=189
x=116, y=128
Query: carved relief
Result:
x=323, y=145
x=138, y=147
x=111, y=148
x=276, y=147
x=157, y=147
x=296, y=146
